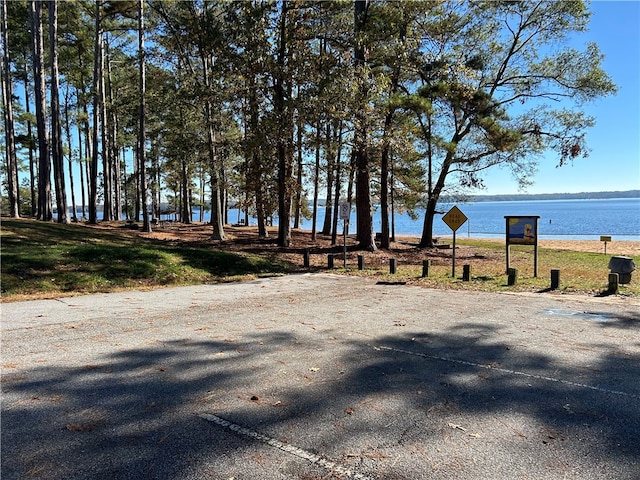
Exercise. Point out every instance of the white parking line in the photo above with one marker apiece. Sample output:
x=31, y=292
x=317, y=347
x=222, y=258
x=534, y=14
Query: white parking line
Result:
x=511, y=372
x=298, y=452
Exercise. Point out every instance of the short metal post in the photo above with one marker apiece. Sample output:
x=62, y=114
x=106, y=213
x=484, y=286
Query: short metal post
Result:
x=307, y=255
x=555, y=279
x=453, y=256
x=360, y=262
x=344, y=239
x=512, y=277
x=613, y=283
x=426, y=264
x=466, y=273
x=393, y=266
x=330, y=260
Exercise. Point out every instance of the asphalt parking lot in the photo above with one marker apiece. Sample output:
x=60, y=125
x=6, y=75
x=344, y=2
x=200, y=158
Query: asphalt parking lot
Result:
x=321, y=376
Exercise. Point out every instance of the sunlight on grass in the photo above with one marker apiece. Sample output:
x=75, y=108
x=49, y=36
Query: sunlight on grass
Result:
x=41, y=259
x=580, y=272
x=48, y=259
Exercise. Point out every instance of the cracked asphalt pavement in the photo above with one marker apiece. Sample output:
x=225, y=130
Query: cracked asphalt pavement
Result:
x=320, y=376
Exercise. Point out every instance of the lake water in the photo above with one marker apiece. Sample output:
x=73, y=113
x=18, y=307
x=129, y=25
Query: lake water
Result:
x=559, y=219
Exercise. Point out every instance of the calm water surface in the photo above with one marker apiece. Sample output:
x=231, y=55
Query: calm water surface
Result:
x=559, y=219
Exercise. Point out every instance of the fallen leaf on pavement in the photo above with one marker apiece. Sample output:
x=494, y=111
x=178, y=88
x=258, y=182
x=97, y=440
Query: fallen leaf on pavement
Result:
x=457, y=427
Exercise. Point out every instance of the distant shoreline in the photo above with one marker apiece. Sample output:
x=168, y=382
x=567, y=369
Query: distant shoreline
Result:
x=548, y=196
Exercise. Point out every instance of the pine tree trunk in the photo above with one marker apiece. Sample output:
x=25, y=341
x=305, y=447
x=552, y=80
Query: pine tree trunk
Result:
x=427, y=228
x=83, y=132
x=336, y=203
x=184, y=189
x=362, y=163
x=316, y=185
x=330, y=154
x=86, y=163
x=223, y=193
x=95, y=133
x=284, y=141
x=32, y=163
x=7, y=102
x=154, y=187
x=142, y=139
x=56, y=124
x=216, y=208
x=67, y=123
x=44, y=164
x=299, y=147
x=117, y=174
x=255, y=167
x=202, y=199
x=82, y=163
x=107, y=175
x=114, y=152
x=384, y=183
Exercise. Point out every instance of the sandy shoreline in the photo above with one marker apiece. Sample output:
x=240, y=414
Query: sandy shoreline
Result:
x=630, y=248
x=623, y=247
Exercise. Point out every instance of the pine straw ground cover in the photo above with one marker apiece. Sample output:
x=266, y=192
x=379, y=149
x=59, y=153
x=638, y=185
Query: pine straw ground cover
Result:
x=44, y=260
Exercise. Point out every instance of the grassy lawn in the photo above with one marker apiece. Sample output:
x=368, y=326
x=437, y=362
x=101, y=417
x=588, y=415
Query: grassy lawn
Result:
x=41, y=259
x=45, y=260
x=579, y=271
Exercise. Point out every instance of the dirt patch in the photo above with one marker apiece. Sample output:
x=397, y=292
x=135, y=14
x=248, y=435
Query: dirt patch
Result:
x=405, y=250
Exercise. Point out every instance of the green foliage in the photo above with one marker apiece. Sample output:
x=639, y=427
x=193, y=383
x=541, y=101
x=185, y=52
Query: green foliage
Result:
x=446, y=89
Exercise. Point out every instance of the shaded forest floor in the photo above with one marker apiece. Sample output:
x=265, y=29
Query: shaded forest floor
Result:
x=405, y=249
x=245, y=239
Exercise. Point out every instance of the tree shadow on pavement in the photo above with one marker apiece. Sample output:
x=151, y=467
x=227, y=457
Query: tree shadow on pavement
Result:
x=412, y=405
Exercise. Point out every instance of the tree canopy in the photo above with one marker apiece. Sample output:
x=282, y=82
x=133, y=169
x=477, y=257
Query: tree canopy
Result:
x=271, y=106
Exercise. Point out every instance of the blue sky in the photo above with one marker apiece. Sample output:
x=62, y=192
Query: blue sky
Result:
x=614, y=161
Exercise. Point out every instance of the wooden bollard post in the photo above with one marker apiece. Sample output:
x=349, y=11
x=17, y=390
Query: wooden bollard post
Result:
x=393, y=266
x=307, y=258
x=330, y=260
x=613, y=283
x=360, y=262
x=466, y=273
x=426, y=264
x=512, y=276
x=555, y=279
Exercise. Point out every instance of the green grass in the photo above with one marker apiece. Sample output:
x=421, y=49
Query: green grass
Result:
x=580, y=272
x=44, y=260
x=41, y=259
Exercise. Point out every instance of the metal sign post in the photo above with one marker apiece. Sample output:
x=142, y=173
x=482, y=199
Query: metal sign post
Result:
x=454, y=218
x=345, y=213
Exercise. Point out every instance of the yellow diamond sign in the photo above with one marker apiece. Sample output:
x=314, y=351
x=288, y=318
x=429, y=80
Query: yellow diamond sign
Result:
x=454, y=218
